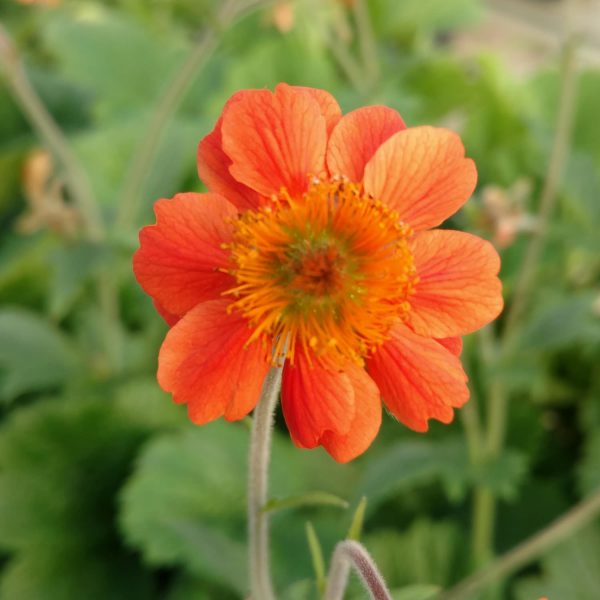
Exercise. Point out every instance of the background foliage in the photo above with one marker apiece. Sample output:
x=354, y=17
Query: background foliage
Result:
x=104, y=485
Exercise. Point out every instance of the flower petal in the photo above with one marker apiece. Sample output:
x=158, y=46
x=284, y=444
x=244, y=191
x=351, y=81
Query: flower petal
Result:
x=418, y=378
x=452, y=344
x=422, y=173
x=365, y=424
x=275, y=140
x=204, y=362
x=169, y=318
x=458, y=289
x=315, y=399
x=179, y=258
x=356, y=138
x=330, y=109
x=213, y=169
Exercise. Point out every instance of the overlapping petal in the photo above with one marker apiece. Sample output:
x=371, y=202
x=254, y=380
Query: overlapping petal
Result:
x=418, y=378
x=205, y=363
x=422, y=173
x=458, y=289
x=315, y=399
x=365, y=423
x=330, y=109
x=275, y=140
x=180, y=261
x=213, y=169
x=356, y=138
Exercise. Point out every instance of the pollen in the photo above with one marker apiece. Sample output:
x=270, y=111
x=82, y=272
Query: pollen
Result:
x=331, y=272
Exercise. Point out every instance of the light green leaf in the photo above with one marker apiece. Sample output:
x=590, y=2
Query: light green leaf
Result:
x=315, y=498
x=34, y=355
x=416, y=592
x=316, y=554
x=357, y=520
x=568, y=320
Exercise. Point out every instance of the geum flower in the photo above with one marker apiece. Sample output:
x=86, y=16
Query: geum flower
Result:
x=314, y=248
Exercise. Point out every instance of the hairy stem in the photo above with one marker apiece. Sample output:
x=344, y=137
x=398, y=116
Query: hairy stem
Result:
x=261, y=587
x=350, y=554
x=528, y=550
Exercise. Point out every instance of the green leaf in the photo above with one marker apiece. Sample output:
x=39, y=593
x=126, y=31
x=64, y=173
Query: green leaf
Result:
x=566, y=321
x=315, y=498
x=416, y=592
x=316, y=554
x=426, y=553
x=61, y=464
x=114, y=58
x=198, y=475
x=357, y=520
x=34, y=355
x=73, y=266
x=571, y=570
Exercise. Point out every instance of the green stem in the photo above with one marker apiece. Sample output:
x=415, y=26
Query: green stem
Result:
x=147, y=151
x=527, y=551
x=261, y=587
x=366, y=40
x=484, y=504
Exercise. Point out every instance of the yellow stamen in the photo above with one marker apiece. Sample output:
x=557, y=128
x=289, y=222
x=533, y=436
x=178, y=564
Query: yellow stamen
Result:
x=330, y=272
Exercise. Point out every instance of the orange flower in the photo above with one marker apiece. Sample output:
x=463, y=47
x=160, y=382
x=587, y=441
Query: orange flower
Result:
x=313, y=248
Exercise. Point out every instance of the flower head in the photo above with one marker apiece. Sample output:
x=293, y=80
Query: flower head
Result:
x=314, y=249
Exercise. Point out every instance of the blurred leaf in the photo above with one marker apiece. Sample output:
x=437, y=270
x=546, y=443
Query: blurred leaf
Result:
x=406, y=465
x=60, y=575
x=426, y=553
x=416, y=592
x=572, y=570
x=113, y=57
x=358, y=518
x=429, y=15
x=198, y=475
x=566, y=321
x=61, y=464
x=73, y=266
x=306, y=499
x=213, y=553
x=316, y=554
x=588, y=470
x=34, y=356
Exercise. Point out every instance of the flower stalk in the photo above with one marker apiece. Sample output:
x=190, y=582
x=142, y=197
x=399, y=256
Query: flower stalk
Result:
x=261, y=586
x=350, y=554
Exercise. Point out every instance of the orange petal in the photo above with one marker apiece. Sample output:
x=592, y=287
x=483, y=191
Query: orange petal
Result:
x=179, y=258
x=275, y=140
x=453, y=344
x=330, y=109
x=418, y=378
x=365, y=424
x=458, y=289
x=315, y=399
x=204, y=362
x=213, y=169
x=357, y=137
x=422, y=173
x=170, y=318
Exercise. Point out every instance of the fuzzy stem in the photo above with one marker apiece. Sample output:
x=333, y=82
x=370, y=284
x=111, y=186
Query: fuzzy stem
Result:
x=352, y=554
x=261, y=587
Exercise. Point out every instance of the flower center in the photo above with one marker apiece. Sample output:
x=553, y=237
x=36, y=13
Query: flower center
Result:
x=331, y=272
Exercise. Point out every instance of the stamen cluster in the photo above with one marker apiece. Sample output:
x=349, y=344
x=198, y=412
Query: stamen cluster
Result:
x=330, y=272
